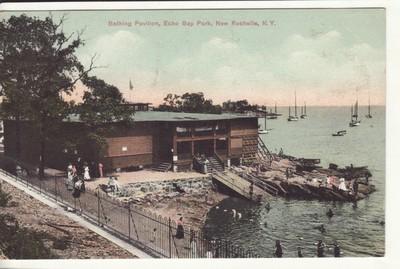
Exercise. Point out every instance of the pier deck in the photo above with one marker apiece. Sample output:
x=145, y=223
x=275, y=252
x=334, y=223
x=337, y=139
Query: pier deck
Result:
x=239, y=185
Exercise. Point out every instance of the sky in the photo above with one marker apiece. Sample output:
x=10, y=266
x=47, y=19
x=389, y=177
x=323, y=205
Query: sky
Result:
x=327, y=56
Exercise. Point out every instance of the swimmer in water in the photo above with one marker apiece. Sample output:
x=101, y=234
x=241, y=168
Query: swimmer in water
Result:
x=329, y=213
x=299, y=253
x=268, y=207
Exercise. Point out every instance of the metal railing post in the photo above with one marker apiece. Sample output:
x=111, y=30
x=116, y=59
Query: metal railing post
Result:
x=98, y=207
x=169, y=237
x=55, y=188
x=129, y=221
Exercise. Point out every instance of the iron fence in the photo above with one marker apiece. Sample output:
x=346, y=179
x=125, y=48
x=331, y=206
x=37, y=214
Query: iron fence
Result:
x=142, y=228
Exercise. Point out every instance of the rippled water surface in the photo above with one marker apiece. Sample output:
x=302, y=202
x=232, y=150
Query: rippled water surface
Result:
x=356, y=227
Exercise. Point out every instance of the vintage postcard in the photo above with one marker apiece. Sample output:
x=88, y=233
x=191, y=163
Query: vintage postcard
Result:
x=154, y=131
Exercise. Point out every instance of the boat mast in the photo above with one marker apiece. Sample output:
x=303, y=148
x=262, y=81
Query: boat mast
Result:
x=356, y=110
x=369, y=105
x=351, y=116
x=276, y=111
x=295, y=104
x=265, y=120
x=289, y=112
x=305, y=109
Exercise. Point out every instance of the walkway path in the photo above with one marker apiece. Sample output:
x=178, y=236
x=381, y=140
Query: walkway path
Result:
x=78, y=219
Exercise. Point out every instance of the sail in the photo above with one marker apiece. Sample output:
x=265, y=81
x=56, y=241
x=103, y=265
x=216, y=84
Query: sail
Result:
x=351, y=117
x=356, y=109
x=305, y=109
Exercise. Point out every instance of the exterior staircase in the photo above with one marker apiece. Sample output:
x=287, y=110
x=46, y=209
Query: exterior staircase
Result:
x=263, y=151
x=162, y=167
x=215, y=164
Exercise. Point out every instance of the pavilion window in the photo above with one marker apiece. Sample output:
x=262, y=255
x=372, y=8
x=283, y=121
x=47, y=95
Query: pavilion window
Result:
x=182, y=131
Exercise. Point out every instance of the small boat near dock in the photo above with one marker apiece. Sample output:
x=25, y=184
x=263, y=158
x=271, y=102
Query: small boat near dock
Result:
x=340, y=133
x=265, y=130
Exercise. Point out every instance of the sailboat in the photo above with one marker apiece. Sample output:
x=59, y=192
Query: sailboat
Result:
x=354, y=121
x=265, y=130
x=293, y=118
x=273, y=115
x=304, y=112
x=369, y=116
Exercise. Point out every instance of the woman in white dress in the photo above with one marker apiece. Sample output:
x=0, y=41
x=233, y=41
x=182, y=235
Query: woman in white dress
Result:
x=86, y=175
x=342, y=185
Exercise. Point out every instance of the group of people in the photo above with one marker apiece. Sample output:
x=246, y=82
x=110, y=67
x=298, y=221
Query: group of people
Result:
x=78, y=173
x=85, y=170
x=320, y=250
x=331, y=182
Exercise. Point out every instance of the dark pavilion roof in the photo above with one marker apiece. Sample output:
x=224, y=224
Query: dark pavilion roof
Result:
x=161, y=116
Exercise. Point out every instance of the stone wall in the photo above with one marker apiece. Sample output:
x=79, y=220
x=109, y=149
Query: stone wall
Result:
x=168, y=188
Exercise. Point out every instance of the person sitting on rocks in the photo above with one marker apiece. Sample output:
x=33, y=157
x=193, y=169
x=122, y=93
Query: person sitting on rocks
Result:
x=355, y=187
x=113, y=184
x=329, y=181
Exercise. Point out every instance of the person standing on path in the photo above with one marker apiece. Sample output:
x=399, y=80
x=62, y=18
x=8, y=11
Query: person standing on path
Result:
x=100, y=170
x=193, y=245
x=180, y=233
x=79, y=166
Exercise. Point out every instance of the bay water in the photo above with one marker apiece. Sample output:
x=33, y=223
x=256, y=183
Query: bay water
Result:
x=358, y=227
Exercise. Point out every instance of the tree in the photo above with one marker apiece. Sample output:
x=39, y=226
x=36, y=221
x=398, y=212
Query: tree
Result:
x=102, y=103
x=38, y=65
x=190, y=103
x=171, y=103
x=239, y=106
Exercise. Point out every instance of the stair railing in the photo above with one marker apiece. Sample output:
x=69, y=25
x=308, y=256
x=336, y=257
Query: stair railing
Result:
x=219, y=159
x=264, y=149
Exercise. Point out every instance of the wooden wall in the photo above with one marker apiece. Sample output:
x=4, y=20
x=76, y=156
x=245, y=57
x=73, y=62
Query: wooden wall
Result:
x=241, y=128
x=147, y=143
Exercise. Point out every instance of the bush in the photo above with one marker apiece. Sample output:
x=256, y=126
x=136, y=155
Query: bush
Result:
x=21, y=243
x=4, y=197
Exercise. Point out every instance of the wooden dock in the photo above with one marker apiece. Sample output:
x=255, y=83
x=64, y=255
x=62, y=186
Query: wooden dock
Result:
x=239, y=185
